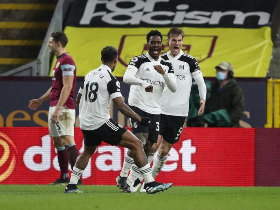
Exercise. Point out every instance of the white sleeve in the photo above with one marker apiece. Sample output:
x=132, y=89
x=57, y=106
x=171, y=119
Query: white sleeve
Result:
x=130, y=78
x=81, y=90
x=170, y=81
x=198, y=77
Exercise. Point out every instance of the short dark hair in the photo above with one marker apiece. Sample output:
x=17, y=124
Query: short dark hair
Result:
x=61, y=37
x=108, y=54
x=153, y=33
x=175, y=31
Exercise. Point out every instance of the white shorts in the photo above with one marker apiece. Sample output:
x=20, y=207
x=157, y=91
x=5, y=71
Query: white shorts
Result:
x=65, y=124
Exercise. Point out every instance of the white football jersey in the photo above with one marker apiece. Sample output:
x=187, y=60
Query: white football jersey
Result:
x=99, y=88
x=142, y=67
x=185, y=69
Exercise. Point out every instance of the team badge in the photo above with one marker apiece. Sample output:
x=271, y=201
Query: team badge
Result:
x=181, y=67
x=126, y=53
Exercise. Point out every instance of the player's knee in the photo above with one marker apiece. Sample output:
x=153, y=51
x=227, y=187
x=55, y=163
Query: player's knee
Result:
x=154, y=148
x=163, y=151
x=141, y=138
x=89, y=150
x=57, y=142
x=136, y=145
x=139, y=144
x=66, y=140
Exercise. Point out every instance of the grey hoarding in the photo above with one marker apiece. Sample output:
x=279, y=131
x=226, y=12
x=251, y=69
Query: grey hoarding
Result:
x=16, y=93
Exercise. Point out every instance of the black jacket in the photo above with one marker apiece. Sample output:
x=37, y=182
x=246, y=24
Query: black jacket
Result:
x=230, y=98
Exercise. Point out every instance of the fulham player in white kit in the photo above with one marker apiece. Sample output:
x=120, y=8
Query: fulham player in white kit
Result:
x=175, y=106
x=148, y=75
x=99, y=88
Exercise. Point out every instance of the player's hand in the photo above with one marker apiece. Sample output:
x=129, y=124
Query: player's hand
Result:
x=55, y=114
x=201, y=109
x=145, y=121
x=149, y=88
x=34, y=104
x=159, y=69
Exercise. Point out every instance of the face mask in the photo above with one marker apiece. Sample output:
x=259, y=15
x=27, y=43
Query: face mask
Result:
x=221, y=75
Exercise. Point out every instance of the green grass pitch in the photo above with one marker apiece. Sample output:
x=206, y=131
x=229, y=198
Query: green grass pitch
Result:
x=42, y=197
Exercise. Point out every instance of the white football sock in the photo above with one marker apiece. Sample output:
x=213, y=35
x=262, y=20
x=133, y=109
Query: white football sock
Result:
x=75, y=175
x=151, y=158
x=158, y=164
x=127, y=164
x=133, y=175
x=146, y=172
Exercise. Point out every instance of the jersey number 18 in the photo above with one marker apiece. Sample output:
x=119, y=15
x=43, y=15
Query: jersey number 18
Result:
x=91, y=94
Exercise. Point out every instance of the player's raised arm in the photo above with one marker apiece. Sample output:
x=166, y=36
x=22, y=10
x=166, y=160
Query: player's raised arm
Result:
x=130, y=74
x=168, y=76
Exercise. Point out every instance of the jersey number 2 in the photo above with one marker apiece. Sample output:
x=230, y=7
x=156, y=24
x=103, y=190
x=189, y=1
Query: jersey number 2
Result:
x=91, y=94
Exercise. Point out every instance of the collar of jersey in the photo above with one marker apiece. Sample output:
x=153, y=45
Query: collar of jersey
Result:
x=176, y=57
x=105, y=67
x=62, y=55
x=151, y=59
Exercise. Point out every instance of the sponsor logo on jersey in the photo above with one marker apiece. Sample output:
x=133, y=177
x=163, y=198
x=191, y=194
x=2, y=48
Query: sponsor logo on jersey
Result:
x=53, y=78
x=152, y=82
x=147, y=69
x=181, y=77
x=57, y=65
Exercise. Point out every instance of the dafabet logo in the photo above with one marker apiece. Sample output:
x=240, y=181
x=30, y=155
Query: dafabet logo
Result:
x=8, y=153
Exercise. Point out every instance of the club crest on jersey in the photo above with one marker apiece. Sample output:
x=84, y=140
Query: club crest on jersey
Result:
x=57, y=65
x=181, y=67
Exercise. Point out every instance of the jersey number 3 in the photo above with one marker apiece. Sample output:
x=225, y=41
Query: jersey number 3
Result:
x=91, y=93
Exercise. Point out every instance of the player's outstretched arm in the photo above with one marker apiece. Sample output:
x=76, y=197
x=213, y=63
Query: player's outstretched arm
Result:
x=35, y=103
x=130, y=78
x=127, y=111
x=197, y=76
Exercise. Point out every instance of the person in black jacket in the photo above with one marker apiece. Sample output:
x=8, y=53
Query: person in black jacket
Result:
x=225, y=106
